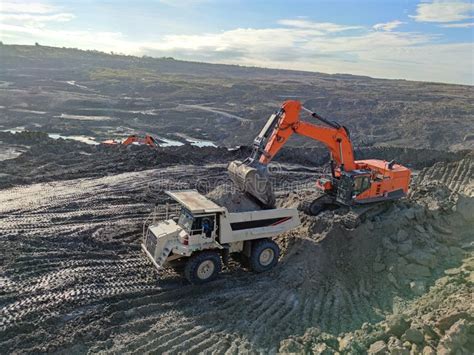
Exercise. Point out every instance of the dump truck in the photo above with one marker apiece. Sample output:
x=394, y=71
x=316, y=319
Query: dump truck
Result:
x=200, y=235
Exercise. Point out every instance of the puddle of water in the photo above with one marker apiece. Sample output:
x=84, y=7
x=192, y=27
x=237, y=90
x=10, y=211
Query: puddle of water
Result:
x=136, y=98
x=28, y=111
x=201, y=143
x=165, y=142
x=14, y=130
x=169, y=142
x=196, y=142
x=73, y=83
x=83, y=139
x=190, y=140
x=10, y=152
x=146, y=112
x=85, y=118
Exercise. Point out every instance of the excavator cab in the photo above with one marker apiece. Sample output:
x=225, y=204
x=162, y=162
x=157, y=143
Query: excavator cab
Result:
x=351, y=184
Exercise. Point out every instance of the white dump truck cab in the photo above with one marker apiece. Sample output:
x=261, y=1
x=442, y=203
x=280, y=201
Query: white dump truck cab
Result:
x=202, y=235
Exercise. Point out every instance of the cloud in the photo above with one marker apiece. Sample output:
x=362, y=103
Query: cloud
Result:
x=319, y=26
x=381, y=50
x=444, y=11
x=386, y=54
x=387, y=26
x=184, y=3
x=77, y=38
x=458, y=25
x=30, y=18
x=31, y=14
x=26, y=7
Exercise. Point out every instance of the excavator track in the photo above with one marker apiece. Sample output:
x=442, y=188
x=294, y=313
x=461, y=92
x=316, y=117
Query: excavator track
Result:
x=359, y=213
x=318, y=205
x=352, y=216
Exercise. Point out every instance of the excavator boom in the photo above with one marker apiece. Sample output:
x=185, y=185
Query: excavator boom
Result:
x=251, y=174
x=335, y=137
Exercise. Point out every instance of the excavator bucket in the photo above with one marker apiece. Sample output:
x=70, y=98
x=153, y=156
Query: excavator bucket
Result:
x=249, y=180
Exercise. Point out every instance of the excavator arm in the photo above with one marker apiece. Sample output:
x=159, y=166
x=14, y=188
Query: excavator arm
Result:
x=251, y=174
x=335, y=137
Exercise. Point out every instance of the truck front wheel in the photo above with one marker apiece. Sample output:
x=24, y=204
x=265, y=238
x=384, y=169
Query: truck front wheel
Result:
x=203, y=267
x=264, y=255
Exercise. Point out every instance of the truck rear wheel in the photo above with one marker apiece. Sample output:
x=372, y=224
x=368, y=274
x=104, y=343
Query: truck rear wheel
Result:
x=264, y=255
x=203, y=267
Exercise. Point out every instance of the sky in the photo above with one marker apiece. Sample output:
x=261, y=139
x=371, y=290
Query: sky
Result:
x=398, y=39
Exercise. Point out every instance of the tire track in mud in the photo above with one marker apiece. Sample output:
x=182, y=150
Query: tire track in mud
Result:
x=248, y=313
x=457, y=176
x=75, y=243
x=69, y=244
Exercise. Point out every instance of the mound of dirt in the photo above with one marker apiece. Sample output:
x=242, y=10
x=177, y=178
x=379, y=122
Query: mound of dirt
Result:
x=414, y=261
x=441, y=321
x=58, y=159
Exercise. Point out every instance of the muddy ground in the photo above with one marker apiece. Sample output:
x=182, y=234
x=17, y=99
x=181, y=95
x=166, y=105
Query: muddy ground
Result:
x=74, y=279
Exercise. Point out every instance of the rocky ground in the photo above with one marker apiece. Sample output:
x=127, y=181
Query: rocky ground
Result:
x=74, y=279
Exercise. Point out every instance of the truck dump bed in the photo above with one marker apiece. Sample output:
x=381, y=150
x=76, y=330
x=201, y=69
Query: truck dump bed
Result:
x=259, y=224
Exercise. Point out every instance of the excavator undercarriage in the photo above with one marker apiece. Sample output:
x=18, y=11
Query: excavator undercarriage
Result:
x=352, y=215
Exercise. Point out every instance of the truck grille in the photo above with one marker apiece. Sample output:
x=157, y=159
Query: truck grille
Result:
x=150, y=243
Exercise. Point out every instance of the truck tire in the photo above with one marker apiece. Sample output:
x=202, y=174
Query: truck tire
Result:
x=203, y=267
x=264, y=255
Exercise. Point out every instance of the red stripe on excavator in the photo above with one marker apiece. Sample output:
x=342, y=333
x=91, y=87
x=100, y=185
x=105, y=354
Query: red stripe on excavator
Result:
x=281, y=221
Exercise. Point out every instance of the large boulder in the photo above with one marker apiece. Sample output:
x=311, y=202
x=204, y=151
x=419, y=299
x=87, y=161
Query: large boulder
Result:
x=425, y=258
x=416, y=271
x=397, y=325
x=378, y=348
x=413, y=335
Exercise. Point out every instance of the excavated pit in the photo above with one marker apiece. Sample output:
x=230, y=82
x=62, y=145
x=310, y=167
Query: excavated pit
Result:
x=74, y=279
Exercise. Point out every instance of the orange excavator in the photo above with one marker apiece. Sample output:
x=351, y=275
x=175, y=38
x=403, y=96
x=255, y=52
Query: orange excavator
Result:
x=351, y=182
x=134, y=139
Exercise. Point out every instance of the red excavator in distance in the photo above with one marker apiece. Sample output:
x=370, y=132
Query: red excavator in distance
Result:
x=134, y=139
x=351, y=183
